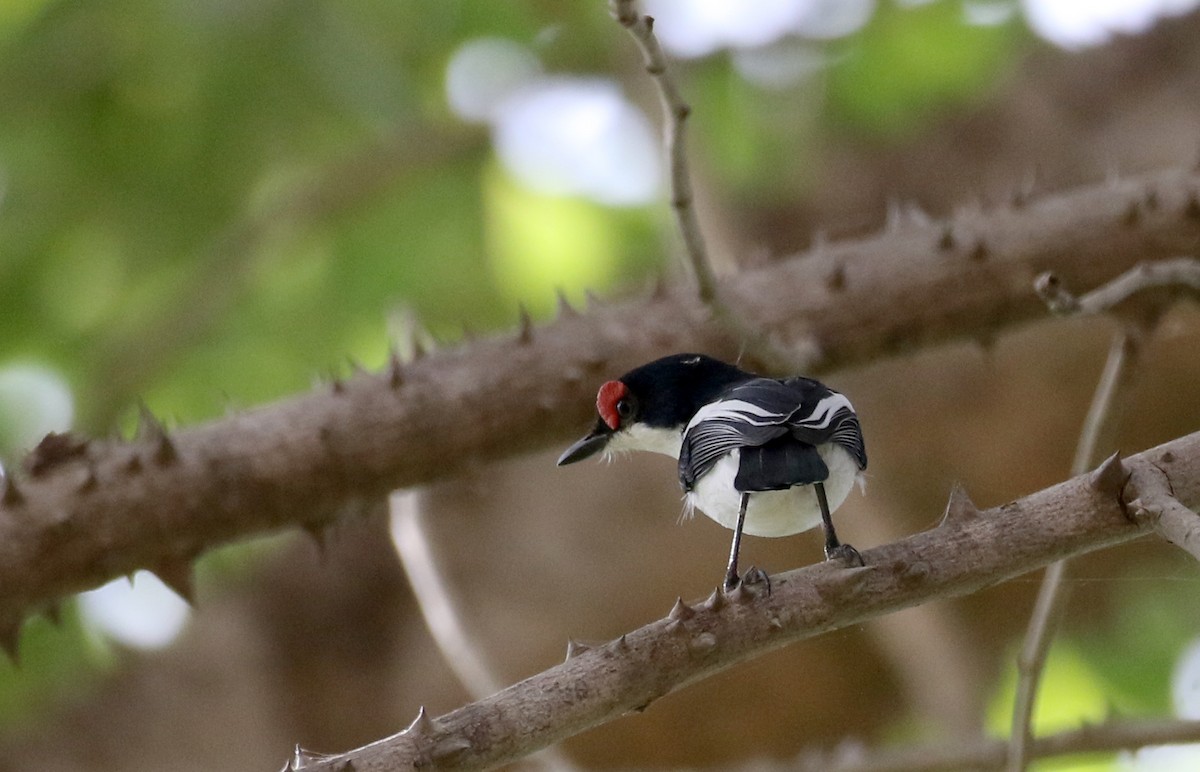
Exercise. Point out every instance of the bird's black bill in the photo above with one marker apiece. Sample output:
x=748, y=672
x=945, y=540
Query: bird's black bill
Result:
x=585, y=448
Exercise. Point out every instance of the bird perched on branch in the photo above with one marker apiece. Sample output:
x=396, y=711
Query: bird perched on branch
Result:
x=764, y=456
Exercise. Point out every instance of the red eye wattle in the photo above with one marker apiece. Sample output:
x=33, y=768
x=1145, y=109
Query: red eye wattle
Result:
x=606, y=403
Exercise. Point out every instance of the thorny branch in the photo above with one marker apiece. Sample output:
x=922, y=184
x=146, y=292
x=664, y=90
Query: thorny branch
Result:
x=968, y=551
x=442, y=618
x=987, y=755
x=1097, y=434
x=1152, y=500
x=1179, y=274
x=87, y=511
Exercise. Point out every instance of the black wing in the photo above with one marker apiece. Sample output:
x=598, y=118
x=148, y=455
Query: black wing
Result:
x=776, y=425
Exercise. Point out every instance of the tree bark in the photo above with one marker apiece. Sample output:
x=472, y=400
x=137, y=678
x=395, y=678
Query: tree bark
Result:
x=968, y=551
x=87, y=511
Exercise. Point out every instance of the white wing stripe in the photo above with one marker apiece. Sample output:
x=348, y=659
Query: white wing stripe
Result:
x=825, y=411
x=736, y=409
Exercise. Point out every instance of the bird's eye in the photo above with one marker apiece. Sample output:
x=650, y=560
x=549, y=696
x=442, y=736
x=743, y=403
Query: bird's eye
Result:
x=625, y=408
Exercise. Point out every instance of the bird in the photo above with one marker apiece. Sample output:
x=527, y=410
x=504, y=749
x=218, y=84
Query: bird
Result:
x=759, y=455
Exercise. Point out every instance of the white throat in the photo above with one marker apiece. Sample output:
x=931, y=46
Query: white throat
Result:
x=641, y=437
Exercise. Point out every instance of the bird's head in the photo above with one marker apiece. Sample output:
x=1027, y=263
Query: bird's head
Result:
x=648, y=407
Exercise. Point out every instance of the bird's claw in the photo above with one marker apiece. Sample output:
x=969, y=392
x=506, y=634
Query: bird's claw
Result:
x=844, y=552
x=753, y=576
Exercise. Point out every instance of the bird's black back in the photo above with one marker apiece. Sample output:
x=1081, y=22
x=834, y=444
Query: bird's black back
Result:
x=776, y=425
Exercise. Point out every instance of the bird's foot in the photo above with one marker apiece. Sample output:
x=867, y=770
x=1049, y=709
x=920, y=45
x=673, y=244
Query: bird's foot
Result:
x=753, y=576
x=844, y=552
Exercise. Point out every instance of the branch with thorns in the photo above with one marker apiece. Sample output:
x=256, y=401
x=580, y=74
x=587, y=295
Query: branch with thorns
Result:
x=969, y=550
x=1172, y=520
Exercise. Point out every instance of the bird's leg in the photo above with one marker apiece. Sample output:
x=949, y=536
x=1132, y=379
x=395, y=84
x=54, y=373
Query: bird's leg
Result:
x=731, y=573
x=833, y=547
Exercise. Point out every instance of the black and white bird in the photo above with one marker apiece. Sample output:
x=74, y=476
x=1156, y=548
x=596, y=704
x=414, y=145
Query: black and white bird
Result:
x=764, y=456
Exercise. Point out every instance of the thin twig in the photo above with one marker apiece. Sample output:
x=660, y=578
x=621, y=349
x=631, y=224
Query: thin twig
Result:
x=434, y=597
x=1098, y=431
x=1178, y=273
x=675, y=112
x=441, y=614
x=1098, y=428
x=986, y=755
x=767, y=353
x=1152, y=500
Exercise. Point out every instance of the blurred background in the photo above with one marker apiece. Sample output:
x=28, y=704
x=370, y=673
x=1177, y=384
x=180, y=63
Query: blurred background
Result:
x=209, y=205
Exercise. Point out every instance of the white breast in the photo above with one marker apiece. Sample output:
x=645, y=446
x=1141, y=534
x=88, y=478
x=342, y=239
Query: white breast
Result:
x=773, y=513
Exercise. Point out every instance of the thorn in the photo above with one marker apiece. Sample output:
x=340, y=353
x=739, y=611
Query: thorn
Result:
x=819, y=242
x=525, y=336
x=422, y=725
x=703, y=643
x=395, y=369
x=1191, y=210
x=894, y=217
x=347, y=766
x=134, y=465
x=165, y=452
x=1151, y=199
x=1132, y=215
x=775, y=623
x=337, y=386
x=12, y=496
x=447, y=750
x=10, y=639
x=946, y=241
x=591, y=300
x=716, y=601
x=622, y=643
x=90, y=483
x=959, y=507
x=980, y=252
x=565, y=310
x=356, y=367
x=53, y=613
x=301, y=758
x=914, y=573
x=659, y=292
x=418, y=347
x=1110, y=476
x=575, y=648
x=681, y=610
x=640, y=708
x=738, y=594
x=844, y=581
x=148, y=426
x=1142, y=512
x=319, y=533
x=1018, y=199
x=54, y=449
x=176, y=573
x=836, y=279
x=1167, y=457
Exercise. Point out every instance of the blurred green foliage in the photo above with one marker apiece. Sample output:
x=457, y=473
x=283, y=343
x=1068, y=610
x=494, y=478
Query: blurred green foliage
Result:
x=211, y=202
